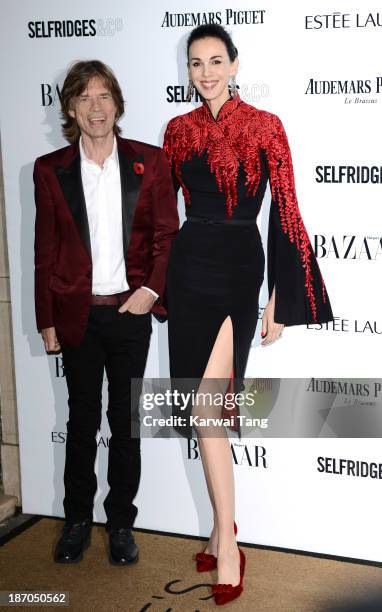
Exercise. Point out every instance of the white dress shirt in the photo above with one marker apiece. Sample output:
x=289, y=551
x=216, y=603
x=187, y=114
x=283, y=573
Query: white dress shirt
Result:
x=102, y=190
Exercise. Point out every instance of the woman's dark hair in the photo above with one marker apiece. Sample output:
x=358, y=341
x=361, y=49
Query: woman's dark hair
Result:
x=213, y=30
x=76, y=83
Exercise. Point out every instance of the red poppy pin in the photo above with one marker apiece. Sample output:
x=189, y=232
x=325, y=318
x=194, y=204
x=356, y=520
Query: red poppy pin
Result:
x=138, y=167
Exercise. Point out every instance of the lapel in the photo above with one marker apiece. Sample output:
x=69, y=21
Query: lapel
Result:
x=69, y=177
x=130, y=188
x=70, y=180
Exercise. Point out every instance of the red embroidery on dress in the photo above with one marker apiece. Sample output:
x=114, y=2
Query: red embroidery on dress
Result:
x=237, y=136
x=284, y=193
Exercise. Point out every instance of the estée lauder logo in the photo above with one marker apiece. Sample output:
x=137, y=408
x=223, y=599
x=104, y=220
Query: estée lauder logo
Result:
x=355, y=326
x=59, y=437
x=339, y=21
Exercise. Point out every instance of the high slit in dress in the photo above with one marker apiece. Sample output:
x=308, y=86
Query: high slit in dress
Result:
x=216, y=265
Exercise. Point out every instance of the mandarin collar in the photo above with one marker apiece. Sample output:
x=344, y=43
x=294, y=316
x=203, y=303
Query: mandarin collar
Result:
x=225, y=111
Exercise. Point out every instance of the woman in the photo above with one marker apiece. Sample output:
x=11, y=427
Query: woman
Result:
x=222, y=155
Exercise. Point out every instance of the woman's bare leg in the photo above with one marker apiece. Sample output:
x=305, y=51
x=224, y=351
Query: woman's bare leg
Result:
x=217, y=463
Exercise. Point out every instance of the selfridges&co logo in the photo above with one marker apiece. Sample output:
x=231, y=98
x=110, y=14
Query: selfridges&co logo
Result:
x=227, y=17
x=356, y=91
x=349, y=247
x=178, y=93
x=245, y=455
x=249, y=92
x=352, y=326
x=340, y=466
x=349, y=174
x=340, y=21
x=75, y=28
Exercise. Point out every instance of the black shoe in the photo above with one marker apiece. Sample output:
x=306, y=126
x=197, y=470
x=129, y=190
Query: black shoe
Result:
x=74, y=540
x=123, y=549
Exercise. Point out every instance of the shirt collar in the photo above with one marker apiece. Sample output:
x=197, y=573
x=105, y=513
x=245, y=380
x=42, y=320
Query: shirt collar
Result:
x=112, y=157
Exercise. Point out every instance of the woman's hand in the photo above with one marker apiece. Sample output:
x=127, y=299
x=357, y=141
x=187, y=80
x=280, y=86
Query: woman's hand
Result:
x=270, y=330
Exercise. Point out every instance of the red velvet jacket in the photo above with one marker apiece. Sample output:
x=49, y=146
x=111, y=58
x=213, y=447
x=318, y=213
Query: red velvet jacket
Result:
x=63, y=263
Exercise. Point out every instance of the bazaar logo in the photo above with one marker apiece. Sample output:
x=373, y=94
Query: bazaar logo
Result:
x=76, y=28
x=247, y=455
x=50, y=94
x=349, y=247
x=59, y=369
x=227, y=17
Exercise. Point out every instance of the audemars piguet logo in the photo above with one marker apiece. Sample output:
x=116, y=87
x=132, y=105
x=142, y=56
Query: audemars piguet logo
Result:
x=353, y=91
x=355, y=388
x=348, y=246
x=340, y=21
x=227, y=16
x=74, y=28
x=348, y=174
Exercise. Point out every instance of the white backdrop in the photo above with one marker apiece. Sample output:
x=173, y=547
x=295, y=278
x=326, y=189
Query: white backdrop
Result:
x=287, y=61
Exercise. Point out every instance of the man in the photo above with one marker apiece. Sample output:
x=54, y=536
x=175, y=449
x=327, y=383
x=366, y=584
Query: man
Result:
x=105, y=218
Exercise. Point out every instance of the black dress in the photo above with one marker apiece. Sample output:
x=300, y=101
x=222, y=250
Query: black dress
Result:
x=216, y=265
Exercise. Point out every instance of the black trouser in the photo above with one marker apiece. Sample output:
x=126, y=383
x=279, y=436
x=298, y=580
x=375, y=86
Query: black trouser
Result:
x=117, y=343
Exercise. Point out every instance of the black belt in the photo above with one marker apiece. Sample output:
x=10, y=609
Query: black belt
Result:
x=116, y=299
x=222, y=221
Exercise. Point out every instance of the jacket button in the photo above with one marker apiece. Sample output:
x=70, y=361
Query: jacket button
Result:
x=88, y=274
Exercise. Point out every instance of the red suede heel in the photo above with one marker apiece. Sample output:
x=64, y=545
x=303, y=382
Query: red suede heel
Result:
x=206, y=562
x=224, y=593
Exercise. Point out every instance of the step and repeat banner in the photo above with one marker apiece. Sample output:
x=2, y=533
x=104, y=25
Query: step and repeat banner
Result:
x=320, y=72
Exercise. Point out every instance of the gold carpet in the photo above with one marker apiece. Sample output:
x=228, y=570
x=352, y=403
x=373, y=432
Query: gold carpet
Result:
x=164, y=579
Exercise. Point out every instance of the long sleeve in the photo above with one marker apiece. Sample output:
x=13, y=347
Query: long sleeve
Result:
x=170, y=142
x=166, y=225
x=44, y=247
x=301, y=295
